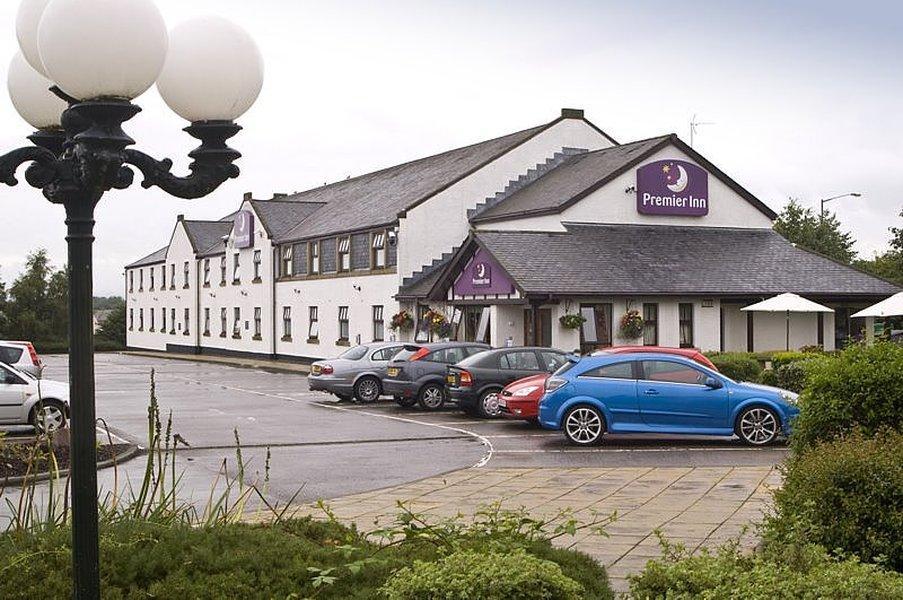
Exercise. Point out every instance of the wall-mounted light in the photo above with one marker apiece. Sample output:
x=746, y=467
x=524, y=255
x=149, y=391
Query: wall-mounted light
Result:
x=357, y=288
x=244, y=293
x=630, y=190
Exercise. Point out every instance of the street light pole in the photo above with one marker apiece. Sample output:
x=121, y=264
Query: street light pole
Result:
x=213, y=73
x=826, y=200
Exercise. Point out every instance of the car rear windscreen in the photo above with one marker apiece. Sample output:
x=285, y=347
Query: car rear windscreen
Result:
x=10, y=354
x=355, y=353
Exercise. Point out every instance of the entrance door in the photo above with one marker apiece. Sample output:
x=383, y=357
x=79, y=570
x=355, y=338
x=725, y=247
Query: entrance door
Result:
x=544, y=335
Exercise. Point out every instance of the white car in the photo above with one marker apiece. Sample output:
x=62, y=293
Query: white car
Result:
x=26, y=400
x=21, y=356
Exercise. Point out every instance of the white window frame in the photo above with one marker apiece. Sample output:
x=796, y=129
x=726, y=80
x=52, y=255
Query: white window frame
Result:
x=207, y=320
x=286, y=322
x=314, y=251
x=313, y=328
x=206, y=271
x=258, y=321
x=379, y=323
x=236, y=321
x=236, y=267
x=343, y=248
x=379, y=250
x=288, y=260
x=344, y=323
x=257, y=261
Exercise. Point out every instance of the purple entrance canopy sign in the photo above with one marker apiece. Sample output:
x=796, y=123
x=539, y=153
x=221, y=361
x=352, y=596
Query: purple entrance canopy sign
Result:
x=482, y=276
x=672, y=187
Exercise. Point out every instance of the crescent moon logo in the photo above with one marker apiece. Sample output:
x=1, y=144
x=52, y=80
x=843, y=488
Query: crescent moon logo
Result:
x=682, y=181
x=481, y=270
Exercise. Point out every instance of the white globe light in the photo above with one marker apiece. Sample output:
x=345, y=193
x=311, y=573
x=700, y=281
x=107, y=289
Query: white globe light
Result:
x=102, y=48
x=31, y=95
x=213, y=72
x=27, y=20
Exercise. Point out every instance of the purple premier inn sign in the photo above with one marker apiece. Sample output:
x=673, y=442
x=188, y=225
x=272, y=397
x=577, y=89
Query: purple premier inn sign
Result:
x=244, y=229
x=482, y=276
x=672, y=187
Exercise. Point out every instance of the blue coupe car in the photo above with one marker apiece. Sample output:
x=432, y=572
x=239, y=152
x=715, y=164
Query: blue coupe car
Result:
x=660, y=393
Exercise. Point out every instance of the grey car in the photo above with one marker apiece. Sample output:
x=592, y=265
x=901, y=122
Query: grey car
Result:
x=418, y=373
x=356, y=373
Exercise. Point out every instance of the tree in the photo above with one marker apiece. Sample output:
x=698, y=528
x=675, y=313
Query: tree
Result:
x=804, y=227
x=888, y=265
x=113, y=326
x=33, y=309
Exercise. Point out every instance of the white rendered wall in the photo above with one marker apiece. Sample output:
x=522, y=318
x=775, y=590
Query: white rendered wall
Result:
x=440, y=223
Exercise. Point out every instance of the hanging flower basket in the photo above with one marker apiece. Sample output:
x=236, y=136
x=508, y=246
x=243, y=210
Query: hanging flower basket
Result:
x=632, y=325
x=572, y=321
x=436, y=321
x=401, y=321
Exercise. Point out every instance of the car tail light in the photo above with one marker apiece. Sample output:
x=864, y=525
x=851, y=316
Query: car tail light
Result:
x=553, y=383
x=327, y=370
x=422, y=353
x=35, y=359
x=465, y=379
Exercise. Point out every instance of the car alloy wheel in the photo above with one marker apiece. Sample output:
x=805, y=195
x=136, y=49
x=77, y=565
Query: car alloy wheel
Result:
x=49, y=418
x=758, y=426
x=584, y=426
x=432, y=397
x=489, y=405
x=367, y=389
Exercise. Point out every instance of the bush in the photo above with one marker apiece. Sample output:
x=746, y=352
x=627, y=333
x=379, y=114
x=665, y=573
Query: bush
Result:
x=805, y=572
x=779, y=359
x=769, y=377
x=860, y=387
x=847, y=496
x=739, y=366
x=489, y=576
x=62, y=346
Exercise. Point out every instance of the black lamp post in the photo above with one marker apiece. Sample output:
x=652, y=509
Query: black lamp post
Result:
x=212, y=74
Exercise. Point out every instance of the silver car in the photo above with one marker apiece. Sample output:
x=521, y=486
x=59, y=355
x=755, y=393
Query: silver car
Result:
x=26, y=400
x=357, y=373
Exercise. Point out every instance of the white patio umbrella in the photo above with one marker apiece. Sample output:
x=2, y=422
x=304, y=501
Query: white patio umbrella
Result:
x=889, y=307
x=787, y=303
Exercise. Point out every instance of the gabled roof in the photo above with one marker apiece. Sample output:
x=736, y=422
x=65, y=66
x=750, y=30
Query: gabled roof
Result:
x=279, y=216
x=665, y=260
x=380, y=198
x=583, y=174
x=207, y=236
x=155, y=257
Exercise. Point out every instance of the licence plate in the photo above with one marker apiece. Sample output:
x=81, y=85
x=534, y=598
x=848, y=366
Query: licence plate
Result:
x=450, y=379
x=316, y=369
x=393, y=371
x=503, y=402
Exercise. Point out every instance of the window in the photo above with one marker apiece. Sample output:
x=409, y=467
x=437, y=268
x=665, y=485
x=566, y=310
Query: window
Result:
x=344, y=249
x=152, y=327
x=131, y=281
x=140, y=319
x=163, y=316
x=685, y=322
x=287, y=323
x=476, y=324
x=206, y=321
x=553, y=361
x=621, y=370
x=379, y=325
x=185, y=270
x=151, y=273
x=447, y=356
x=131, y=319
x=385, y=354
x=172, y=276
x=313, y=330
x=519, y=361
x=671, y=372
x=163, y=277
x=314, y=258
x=287, y=258
x=140, y=280
x=222, y=270
x=378, y=251
x=258, y=315
x=236, y=268
x=650, y=324
x=343, y=324
x=172, y=321
x=206, y=272
x=187, y=320
x=257, y=259
x=596, y=330
x=223, y=322
x=236, y=322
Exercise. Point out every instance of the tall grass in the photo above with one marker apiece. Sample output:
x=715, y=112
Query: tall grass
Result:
x=156, y=499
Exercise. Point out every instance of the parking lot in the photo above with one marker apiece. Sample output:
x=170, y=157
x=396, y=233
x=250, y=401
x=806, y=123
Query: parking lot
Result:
x=327, y=449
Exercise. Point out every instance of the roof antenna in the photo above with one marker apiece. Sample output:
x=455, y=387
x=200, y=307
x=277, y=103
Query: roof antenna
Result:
x=694, y=128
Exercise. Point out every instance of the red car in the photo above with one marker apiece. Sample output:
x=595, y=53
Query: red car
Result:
x=520, y=400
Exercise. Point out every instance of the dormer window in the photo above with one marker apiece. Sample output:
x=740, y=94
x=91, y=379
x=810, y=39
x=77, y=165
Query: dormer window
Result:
x=287, y=258
x=344, y=249
x=314, y=258
x=378, y=251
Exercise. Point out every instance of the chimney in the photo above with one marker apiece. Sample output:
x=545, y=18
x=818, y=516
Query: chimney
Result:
x=180, y=218
x=571, y=113
x=277, y=195
x=249, y=196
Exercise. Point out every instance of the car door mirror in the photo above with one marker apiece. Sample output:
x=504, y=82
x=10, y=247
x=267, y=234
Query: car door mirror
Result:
x=713, y=383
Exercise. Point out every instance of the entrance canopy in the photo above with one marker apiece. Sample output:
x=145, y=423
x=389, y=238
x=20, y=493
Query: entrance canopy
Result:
x=788, y=303
x=890, y=307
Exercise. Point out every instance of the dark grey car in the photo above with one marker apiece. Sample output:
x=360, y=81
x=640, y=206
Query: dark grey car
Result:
x=356, y=373
x=417, y=373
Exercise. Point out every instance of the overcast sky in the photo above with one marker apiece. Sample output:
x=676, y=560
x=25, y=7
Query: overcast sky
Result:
x=805, y=98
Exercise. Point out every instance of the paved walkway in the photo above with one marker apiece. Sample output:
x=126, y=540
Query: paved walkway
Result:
x=696, y=506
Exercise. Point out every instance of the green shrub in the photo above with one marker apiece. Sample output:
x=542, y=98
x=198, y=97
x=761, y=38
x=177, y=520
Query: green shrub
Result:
x=739, y=366
x=466, y=575
x=779, y=359
x=847, y=496
x=803, y=572
x=62, y=346
x=769, y=377
x=860, y=387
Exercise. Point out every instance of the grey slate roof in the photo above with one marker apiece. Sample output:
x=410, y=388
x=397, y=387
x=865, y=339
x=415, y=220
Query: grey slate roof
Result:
x=153, y=258
x=376, y=199
x=651, y=259
x=207, y=236
x=280, y=216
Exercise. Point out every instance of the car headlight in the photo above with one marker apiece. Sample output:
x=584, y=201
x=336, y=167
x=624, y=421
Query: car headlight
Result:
x=525, y=391
x=789, y=397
